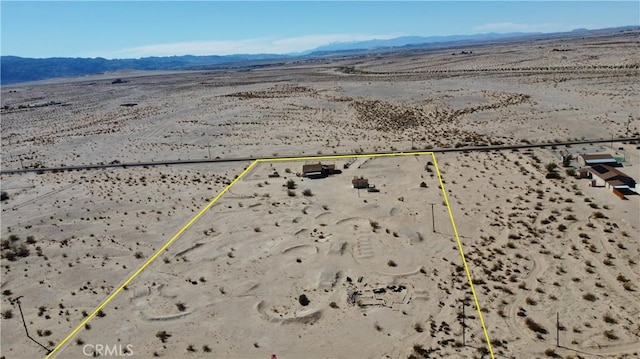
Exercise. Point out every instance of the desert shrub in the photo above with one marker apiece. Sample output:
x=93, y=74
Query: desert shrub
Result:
x=291, y=193
x=374, y=225
x=535, y=327
x=4, y=196
x=303, y=300
x=138, y=255
x=7, y=314
x=590, y=297
x=551, y=353
x=163, y=336
x=290, y=184
x=608, y=318
x=598, y=215
x=392, y=263
x=181, y=306
x=307, y=192
x=609, y=334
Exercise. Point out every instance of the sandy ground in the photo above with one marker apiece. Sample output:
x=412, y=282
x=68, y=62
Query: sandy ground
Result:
x=378, y=280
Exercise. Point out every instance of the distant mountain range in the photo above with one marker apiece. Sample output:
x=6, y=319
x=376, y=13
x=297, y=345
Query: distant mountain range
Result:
x=15, y=69
x=413, y=40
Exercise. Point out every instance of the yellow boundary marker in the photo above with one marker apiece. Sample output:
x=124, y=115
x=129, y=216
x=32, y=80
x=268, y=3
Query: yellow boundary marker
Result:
x=464, y=261
x=238, y=178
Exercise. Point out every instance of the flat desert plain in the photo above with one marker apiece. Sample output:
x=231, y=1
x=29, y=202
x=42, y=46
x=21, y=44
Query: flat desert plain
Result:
x=314, y=268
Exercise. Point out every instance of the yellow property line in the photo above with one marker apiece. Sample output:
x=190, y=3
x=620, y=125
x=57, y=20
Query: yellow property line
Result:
x=238, y=178
x=147, y=262
x=464, y=261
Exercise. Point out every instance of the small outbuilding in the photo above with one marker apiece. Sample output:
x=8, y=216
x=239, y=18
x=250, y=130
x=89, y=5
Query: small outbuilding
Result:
x=318, y=170
x=360, y=182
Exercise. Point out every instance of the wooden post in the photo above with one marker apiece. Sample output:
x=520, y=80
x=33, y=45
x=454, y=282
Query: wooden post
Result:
x=464, y=343
x=433, y=218
x=557, y=329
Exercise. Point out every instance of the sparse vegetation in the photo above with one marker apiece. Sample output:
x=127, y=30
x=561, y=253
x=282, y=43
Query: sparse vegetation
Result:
x=535, y=327
x=303, y=300
x=163, y=336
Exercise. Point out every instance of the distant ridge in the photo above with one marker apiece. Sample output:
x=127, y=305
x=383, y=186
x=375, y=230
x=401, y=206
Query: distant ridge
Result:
x=15, y=69
x=414, y=40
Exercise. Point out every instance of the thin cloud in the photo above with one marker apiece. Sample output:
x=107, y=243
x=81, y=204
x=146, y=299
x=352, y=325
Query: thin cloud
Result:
x=245, y=46
x=515, y=27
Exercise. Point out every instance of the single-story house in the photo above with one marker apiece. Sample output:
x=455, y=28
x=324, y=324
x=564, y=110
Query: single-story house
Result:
x=610, y=177
x=318, y=170
x=593, y=159
x=360, y=182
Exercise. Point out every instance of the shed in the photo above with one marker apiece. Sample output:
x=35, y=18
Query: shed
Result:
x=318, y=170
x=360, y=182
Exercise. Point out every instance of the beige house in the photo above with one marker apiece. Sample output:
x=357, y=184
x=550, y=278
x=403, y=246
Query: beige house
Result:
x=593, y=159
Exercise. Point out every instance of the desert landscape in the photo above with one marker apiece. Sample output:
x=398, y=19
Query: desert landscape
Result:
x=315, y=268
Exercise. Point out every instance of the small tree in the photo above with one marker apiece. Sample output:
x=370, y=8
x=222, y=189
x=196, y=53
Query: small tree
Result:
x=551, y=167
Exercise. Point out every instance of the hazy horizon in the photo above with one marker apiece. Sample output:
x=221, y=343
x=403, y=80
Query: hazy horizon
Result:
x=130, y=30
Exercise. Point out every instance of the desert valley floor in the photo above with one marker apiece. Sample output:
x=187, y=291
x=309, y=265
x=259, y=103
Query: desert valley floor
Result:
x=314, y=268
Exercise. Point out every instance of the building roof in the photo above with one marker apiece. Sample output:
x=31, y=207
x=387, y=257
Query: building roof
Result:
x=315, y=167
x=617, y=183
x=608, y=173
x=597, y=156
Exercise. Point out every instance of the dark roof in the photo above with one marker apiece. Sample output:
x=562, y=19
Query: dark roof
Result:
x=607, y=172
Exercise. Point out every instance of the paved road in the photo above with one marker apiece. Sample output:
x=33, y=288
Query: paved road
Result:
x=248, y=159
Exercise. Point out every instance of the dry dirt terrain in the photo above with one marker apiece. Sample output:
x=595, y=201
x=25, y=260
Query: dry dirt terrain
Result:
x=323, y=270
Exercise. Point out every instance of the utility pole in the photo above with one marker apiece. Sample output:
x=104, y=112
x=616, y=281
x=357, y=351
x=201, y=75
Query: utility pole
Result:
x=209, y=148
x=464, y=343
x=612, y=141
x=558, y=329
x=433, y=218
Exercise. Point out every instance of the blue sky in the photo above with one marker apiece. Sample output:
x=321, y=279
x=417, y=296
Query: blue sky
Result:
x=125, y=29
